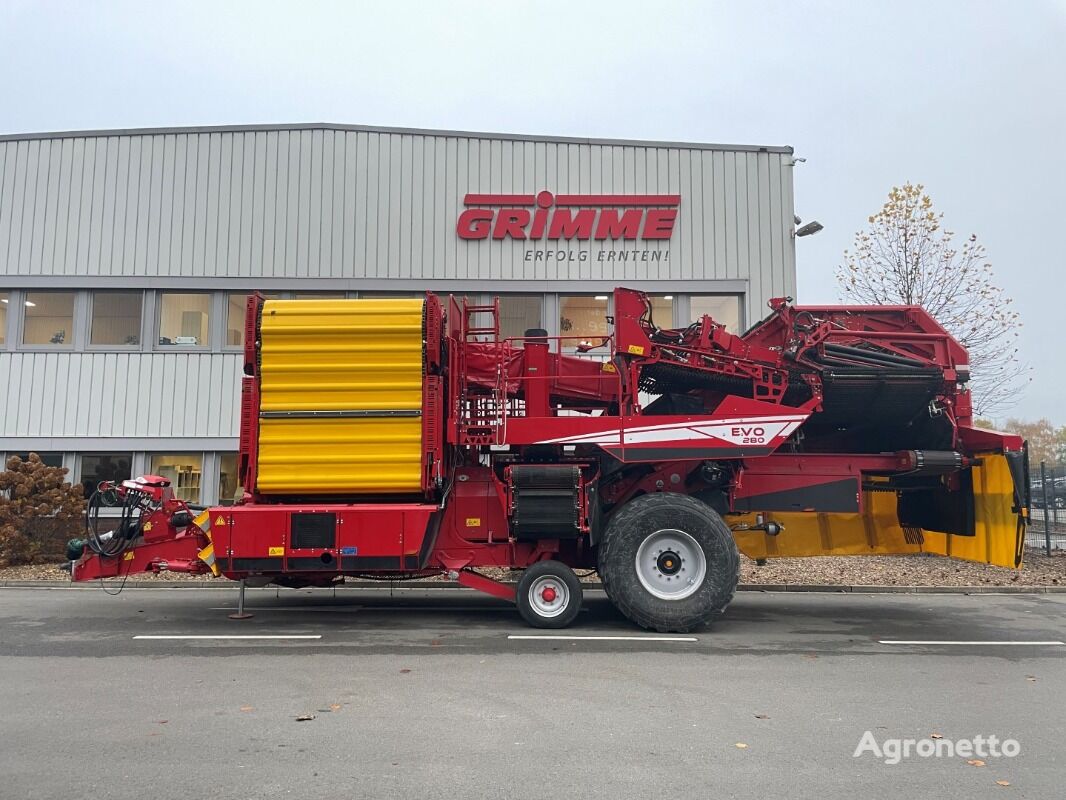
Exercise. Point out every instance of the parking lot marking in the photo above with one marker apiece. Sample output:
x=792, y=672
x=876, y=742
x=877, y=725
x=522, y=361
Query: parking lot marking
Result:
x=557, y=637
x=982, y=644
x=233, y=636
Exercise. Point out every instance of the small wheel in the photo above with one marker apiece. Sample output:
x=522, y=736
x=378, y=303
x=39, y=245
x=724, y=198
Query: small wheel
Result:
x=549, y=595
x=670, y=561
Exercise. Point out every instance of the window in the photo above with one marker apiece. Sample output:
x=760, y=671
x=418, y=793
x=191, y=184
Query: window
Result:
x=48, y=459
x=5, y=298
x=229, y=487
x=49, y=319
x=518, y=314
x=184, y=319
x=235, y=311
x=318, y=296
x=97, y=467
x=583, y=319
x=723, y=308
x=662, y=310
x=183, y=470
x=116, y=318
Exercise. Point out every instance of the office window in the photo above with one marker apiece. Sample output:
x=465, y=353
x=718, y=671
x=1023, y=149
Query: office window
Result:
x=229, y=487
x=5, y=299
x=183, y=470
x=48, y=459
x=723, y=308
x=318, y=296
x=519, y=313
x=662, y=310
x=97, y=467
x=184, y=319
x=116, y=318
x=236, y=307
x=583, y=319
x=49, y=319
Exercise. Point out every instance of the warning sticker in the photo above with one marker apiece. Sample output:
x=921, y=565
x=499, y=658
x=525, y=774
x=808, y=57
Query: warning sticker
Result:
x=636, y=349
x=473, y=522
x=276, y=551
x=220, y=521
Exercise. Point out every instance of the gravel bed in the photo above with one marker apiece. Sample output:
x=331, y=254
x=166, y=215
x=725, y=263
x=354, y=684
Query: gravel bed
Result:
x=1038, y=570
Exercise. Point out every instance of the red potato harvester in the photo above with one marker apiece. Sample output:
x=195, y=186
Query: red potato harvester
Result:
x=394, y=438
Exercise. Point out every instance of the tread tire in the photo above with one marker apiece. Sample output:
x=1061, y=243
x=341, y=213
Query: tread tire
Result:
x=638, y=519
x=562, y=573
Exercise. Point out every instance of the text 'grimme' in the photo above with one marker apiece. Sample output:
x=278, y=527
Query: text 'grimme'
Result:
x=568, y=216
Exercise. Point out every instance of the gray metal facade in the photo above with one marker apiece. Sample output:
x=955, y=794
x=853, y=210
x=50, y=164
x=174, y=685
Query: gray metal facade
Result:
x=326, y=207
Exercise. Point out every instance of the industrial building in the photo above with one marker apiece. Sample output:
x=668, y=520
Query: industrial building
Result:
x=126, y=257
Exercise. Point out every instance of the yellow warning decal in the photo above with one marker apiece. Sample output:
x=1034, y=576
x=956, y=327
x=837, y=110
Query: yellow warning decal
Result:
x=473, y=522
x=147, y=526
x=207, y=555
x=276, y=551
x=609, y=368
x=128, y=556
x=220, y=521
x=636, y=349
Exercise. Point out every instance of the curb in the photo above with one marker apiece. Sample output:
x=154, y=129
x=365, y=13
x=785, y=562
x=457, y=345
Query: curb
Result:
x=596, y=586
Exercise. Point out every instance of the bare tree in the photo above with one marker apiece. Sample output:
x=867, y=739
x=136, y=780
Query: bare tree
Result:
x=907, y=257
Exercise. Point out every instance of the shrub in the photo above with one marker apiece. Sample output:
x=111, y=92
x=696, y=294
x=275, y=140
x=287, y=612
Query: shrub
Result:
x=39, y=511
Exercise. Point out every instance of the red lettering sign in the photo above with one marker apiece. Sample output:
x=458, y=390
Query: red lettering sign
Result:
x=568, y=216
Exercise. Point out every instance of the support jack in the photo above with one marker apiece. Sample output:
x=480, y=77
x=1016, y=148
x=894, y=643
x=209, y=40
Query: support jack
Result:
x=240, y=605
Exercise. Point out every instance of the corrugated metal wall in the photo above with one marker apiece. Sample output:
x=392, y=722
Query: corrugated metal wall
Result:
x=335, y=204
x=167, y=395
x=340, y=204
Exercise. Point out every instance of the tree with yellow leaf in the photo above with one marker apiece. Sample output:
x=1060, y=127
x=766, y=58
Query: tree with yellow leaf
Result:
x=907, y=257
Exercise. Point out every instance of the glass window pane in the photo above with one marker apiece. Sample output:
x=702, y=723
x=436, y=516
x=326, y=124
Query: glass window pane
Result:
x=519, y=313
x=318, y=296
x=722, y=308
x=235, y=311
x=583, y=318
x=662, y=310
x=48, y=459
x=184, y=319
x=183, y=470
x=116, y=318
x=5, y=299
x=229, y=488
x=97, y=467
x=49, y=319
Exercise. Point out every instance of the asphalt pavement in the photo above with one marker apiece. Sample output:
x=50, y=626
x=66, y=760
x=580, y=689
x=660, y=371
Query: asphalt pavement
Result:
x=428, y=693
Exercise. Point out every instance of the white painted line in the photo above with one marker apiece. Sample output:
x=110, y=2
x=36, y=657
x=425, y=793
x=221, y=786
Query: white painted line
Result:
x=606, y=638
x=981, y=644
x=235, y=636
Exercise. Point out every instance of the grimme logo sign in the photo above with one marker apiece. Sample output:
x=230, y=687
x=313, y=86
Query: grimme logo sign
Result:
x=569, y=217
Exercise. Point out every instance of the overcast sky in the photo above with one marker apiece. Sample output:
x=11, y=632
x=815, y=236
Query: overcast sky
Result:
x=965, y=97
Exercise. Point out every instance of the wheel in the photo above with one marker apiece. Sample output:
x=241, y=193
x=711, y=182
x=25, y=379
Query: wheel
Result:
x=549, y=595
x=670, y=562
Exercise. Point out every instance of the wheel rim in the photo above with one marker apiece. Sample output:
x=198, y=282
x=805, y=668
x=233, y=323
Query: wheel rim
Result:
x=671, y=564
x=548, y=596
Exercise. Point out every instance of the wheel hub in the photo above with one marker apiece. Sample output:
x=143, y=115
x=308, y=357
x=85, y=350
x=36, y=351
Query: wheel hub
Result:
x=668, y=563
x=671, y=564
x=549, y=596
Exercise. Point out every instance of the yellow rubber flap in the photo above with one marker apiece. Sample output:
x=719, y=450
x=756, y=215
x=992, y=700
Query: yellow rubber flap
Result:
x=877, y=531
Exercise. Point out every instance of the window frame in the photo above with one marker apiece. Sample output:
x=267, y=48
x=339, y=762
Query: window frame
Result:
x=77, y=321
x=213, y=339
x=90, y=308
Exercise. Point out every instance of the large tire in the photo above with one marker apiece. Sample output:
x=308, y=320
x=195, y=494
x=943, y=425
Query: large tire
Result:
x=562, y=605
x=676, y=587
